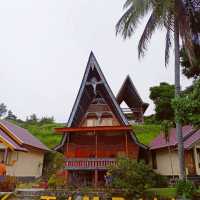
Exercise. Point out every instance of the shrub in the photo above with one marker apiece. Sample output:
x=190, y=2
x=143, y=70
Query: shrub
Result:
x=185, y=189
x=56, y=181
x=133, y=177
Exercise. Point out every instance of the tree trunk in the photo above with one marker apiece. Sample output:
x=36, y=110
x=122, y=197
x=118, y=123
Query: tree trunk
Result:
x=179, y=135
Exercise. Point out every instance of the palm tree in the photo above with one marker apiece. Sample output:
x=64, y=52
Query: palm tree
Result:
x=173, y=15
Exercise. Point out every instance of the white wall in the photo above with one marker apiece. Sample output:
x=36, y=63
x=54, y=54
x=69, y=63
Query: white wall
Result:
x=164, y=162
x=25, y=164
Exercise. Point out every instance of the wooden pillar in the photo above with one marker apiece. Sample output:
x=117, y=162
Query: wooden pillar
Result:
x=126, y=144
x=96, y=156
x=96, y=146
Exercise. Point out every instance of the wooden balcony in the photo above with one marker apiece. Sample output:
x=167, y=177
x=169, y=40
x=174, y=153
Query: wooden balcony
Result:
x=88, y=163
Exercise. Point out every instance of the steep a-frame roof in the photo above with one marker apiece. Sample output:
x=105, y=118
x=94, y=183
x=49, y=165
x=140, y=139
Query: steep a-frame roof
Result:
x=93, y=81
x=129, y=94
x=94, y=78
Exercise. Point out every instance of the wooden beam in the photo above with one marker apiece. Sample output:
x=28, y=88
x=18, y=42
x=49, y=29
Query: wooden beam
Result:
x=93, y=129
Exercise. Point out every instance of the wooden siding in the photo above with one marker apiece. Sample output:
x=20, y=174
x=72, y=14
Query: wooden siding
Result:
x=107, y=146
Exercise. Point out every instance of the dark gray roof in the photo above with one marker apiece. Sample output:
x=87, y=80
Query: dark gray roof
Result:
x=129, y=94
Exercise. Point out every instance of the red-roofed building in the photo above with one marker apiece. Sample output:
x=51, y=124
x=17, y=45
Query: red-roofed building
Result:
x=22, y=153
x=165, y=155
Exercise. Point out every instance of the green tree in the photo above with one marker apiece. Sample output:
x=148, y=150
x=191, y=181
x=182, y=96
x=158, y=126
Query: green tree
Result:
x=175, y=17
x=162, y=96
x=134, y=177
x=190, y=71
x=187, y=106
x=46, y=120
x=3, y=109
x=32, y=119
x=11, y=116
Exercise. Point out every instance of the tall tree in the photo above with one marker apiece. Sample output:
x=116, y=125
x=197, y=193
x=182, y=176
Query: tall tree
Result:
x=11, y=116
x=162, y=96
x=173, y=15
x=3, y=109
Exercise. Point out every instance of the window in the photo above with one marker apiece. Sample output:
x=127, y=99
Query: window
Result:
x=91, y=122
x=154, y=160
x=106, y=122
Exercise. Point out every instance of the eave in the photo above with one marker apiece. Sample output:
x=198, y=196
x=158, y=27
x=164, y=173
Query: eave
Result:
x=96, y=129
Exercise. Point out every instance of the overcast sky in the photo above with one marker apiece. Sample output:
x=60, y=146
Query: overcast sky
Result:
x=44, y=48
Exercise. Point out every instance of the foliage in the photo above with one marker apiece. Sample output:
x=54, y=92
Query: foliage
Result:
x=131, y=176
x=146, y=132
x=165, y=127
x=32, y=119
x=185, y=188
x=11, y=116
x=3, y=109
x=162, y=96
x=56, y=181
x=7, y=184
x=150, y=119
x=187, y=106
x=46, y=120
x=190, y=71
x=53, y=163
x=162, y=14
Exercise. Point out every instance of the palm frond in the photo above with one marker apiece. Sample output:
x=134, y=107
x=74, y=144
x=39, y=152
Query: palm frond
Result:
x=184, y=18
x=152, y=24
x=168, y=43
x=135, y=10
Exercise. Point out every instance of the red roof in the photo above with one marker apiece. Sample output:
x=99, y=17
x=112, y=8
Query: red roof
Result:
x=190, y=136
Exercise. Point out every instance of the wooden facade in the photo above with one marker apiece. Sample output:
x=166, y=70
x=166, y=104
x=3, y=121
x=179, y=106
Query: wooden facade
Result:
x=97, y=131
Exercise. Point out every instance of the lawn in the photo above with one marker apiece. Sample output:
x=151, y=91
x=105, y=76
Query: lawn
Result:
x=146, y=133
x=161, y=192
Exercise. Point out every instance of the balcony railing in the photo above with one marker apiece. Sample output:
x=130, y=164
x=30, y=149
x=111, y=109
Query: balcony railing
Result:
x=88, y=163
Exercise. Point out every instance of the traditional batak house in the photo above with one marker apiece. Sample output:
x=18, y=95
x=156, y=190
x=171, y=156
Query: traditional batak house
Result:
x=165, y=153
x=22, y=153
x=97, y=130
x=135, y=106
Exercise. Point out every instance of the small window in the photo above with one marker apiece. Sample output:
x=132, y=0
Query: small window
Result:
x=106, y=122
x=91, y=122
x=154, y=160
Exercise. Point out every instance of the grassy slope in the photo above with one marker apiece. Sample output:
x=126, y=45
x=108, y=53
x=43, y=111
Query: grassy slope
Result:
x=45, y=133
x=146, y=133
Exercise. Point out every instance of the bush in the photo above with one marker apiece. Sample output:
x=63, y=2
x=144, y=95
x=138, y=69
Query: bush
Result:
x=160, y=181
x=53, y=163
x=133, y=177
x=56, y=181
x=185, y=189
